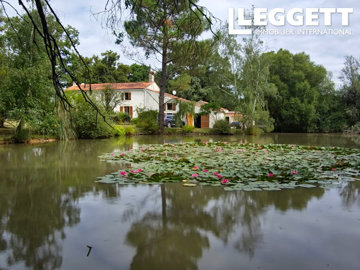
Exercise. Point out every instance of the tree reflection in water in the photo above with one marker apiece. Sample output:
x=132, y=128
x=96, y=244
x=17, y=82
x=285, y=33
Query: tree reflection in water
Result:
x=175, y=237
x=350, y=194
x=39, y=190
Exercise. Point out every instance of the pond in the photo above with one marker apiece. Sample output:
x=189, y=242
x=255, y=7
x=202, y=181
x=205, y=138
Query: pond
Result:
x=53, y=214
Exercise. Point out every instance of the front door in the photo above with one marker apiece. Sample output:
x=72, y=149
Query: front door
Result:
x=205, y=121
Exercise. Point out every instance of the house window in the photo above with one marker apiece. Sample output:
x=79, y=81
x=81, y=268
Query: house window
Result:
x=126, y=96
x=127, y=109
x=171, y=106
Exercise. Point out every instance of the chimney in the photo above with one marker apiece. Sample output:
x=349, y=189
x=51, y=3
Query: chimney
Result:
x=151, y=76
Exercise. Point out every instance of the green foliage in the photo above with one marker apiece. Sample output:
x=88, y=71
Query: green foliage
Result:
x=119, y=131
x=147, y=121
x=139, y=73
x=129, y=130
x=221, y=127
x=26, y=89
x=47, y=125
x=168, y=30
x=88, y=124
x=306, y=99
x=209, y=107
x=351, y=89
x=121, y=117
x=134, y=121
x=253, y=130
x=188, y=129
x=22, y=135
x=185, y=108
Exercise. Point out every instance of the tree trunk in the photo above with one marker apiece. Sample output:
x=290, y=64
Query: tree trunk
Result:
x=163, y=83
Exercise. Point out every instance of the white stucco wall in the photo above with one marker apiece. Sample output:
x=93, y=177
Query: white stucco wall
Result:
x=137, y=100
x=214, y=117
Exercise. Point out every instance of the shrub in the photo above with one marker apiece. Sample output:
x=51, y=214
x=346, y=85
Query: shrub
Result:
x=48, y=125
x=134, y=121
x=129, y=130
x=147, y=122
x=21, y=136
x=221, y=127
x=119, y=131
x=88, y=124
x=253, y=130
x=121, y=117
x=188, y=129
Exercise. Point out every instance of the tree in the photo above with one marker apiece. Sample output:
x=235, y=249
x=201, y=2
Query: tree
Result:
x=138, y=73
x=351, y=89
x=255, y=85
x=168, y=29
x=27, y=93
x=299, y=82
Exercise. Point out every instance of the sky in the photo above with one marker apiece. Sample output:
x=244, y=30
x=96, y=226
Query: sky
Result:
x=326, y=50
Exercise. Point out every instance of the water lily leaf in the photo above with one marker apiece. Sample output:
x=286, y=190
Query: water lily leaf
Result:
x=246, y=166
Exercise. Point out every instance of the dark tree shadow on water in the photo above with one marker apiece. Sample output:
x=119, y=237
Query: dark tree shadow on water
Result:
x=175, y=236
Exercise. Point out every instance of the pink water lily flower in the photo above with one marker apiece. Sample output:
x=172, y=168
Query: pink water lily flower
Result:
x=132, y=171
x=333, y=169
x=142, y=149
x=166, y=143
x=123, y=154
x=294, y=172
x=194, y=175
x=270, y=175
x=138, y=170
x=173, y=145
x=216, y=173
x=123, y=173
x=112, y=154
x=219, y=176
x=224, y=181
x=195, y=168
x=205, y=170
x=219, y=150
x=150, y=148
x=259, y=147
x=235, y=152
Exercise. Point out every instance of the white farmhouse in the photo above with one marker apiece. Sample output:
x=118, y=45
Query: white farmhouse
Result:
x=145, y=95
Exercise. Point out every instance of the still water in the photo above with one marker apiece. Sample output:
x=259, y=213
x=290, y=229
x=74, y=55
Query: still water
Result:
x=51, y=210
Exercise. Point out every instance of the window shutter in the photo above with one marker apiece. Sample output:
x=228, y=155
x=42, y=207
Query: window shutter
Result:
x=121, y=109
x=131, y=111
x=129, y=96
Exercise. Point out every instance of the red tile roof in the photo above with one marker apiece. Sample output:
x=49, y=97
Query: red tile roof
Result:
x=116, y=86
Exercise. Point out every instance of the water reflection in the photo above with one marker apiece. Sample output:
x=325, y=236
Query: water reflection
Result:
x=176, y=236
x=43, y=189
x=350, y=194
x=39, y=190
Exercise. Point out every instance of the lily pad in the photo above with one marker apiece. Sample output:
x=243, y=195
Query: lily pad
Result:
x=248, y=167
